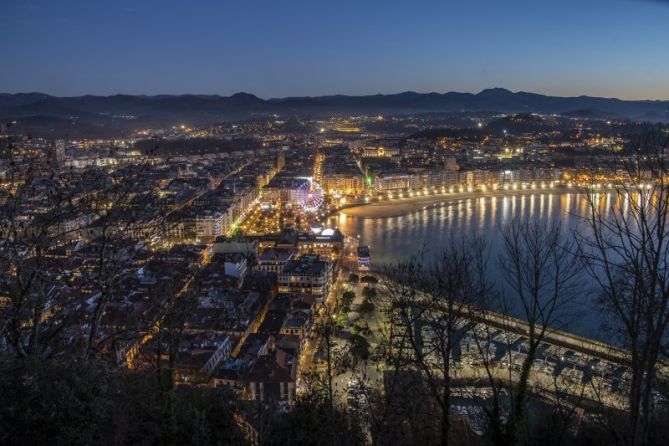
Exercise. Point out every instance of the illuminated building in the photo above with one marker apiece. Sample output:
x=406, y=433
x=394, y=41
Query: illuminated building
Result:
x=307, y=276
x=363, y=258
x=344, y=184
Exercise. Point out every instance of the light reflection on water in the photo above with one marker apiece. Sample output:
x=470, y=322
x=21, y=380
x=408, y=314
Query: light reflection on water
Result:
x=395, y=238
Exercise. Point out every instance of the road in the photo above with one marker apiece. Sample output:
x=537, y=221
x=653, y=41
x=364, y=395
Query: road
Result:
x=324, y=311
x=541, y=382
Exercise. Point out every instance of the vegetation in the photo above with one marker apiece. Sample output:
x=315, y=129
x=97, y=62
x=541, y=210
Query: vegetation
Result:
x=369, y=280
x=366, y=307
x=314, y=421
x=347, y=300
x=368, y=293
x=87, y=402
x=359, y=347
x=625, y=253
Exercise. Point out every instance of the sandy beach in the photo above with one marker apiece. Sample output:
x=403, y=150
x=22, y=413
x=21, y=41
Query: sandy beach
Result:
x=404, y=206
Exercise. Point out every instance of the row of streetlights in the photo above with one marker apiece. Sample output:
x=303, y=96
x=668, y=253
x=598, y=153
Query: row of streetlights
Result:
x=463, y=189
x=484, y=188
x=608, y=185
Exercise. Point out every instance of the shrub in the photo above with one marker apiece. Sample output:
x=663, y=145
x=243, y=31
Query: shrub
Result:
x=368, y=293
x=369, y=279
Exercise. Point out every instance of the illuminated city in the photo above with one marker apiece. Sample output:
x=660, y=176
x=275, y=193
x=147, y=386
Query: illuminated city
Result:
x=478, y=266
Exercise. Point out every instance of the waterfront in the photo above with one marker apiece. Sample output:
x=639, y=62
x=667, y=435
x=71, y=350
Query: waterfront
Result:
x=423, y=232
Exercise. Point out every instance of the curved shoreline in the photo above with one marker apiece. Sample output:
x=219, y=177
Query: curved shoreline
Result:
x=404, y=206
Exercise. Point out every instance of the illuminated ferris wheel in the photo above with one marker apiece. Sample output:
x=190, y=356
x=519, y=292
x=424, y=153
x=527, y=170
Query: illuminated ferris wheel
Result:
x=310, y=196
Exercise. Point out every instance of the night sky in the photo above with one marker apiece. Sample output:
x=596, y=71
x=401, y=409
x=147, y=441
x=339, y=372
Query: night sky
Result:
x=615, y=48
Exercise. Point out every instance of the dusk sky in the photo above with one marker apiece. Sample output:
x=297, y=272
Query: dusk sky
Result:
x=614, y=48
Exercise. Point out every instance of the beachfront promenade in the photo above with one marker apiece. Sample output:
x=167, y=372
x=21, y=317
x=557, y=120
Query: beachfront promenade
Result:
x=401, y=203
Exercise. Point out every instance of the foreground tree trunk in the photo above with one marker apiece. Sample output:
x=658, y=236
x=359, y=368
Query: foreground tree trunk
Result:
x=542, y=284
x=429, y=304
x=626, y=252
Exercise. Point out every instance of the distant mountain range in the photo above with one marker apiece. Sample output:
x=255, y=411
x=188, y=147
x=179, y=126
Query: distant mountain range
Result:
x=120, y=114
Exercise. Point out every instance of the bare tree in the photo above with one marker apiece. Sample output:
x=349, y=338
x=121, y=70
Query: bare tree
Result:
x=166, y=345
x=429, y=307
x=626, y=252
x=36, y=205
x=122, y=225
x=540, y=275
x=52, y=215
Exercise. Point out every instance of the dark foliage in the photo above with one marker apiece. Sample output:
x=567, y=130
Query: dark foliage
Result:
x=314, y=422
x=84, y=403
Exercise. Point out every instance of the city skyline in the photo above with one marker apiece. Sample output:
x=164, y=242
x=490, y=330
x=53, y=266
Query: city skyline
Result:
x=610, y=49
x=379, y=223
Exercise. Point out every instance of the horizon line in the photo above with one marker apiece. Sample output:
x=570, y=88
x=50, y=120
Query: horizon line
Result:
x=333, y=94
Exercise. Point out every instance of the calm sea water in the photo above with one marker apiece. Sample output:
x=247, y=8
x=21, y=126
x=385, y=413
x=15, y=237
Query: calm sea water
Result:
x=425, y=231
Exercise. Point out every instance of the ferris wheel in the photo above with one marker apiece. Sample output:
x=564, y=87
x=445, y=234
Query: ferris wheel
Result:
x=310, y=196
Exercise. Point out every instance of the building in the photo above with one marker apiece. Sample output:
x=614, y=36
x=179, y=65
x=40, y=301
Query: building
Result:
x=507, y=176
x=341, y=174
x=344, y=183
x=379, y=151
x=235, y=265
x=327, y=242
x=272, y=378
x=297, y=323
x=445, y=178
x=363, y=258
x=242, y=245
x=210, y=224
x=284, y=190
x=222, y=353
x=391, y=182
x=273, y=259
x=307, y=276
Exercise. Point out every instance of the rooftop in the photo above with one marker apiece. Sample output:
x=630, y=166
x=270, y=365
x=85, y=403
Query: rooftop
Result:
x=305, y=265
